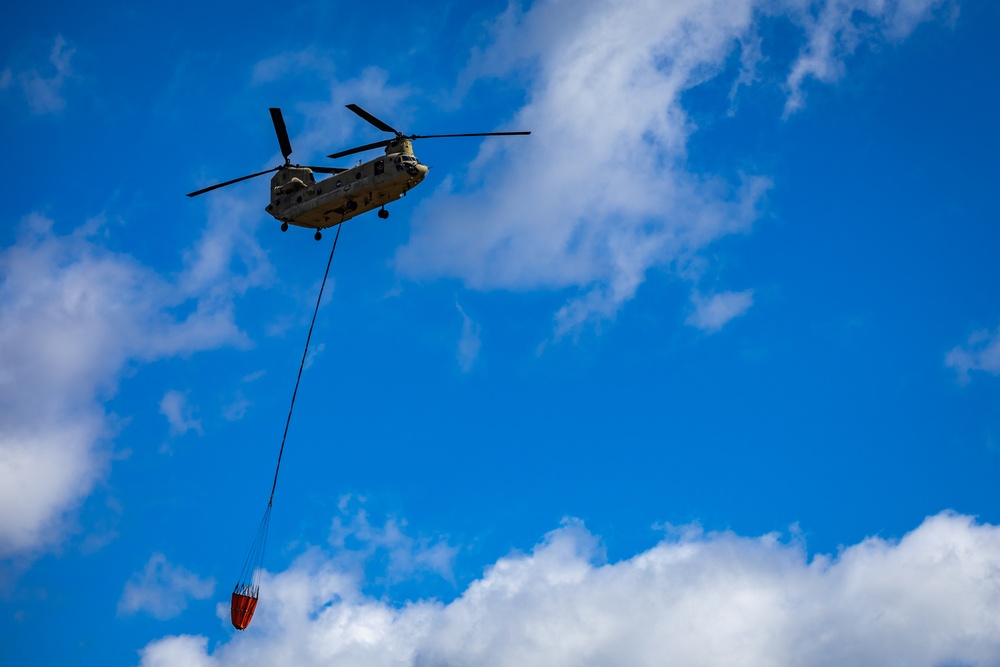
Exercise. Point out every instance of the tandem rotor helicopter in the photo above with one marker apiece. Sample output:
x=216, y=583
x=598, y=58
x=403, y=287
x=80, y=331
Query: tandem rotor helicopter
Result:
x=297, y=198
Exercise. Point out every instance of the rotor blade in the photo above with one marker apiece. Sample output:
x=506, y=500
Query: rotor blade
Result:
x=474, y=134
x=379, y=144
x=279, y=129
x=359, y=149
x=326, y=170
x=235, y=180
x=372, y=119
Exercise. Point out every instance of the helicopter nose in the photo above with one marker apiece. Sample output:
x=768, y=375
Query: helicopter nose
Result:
x=423, y=169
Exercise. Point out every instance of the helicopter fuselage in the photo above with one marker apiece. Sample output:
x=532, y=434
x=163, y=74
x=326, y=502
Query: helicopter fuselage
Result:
x=298, y=199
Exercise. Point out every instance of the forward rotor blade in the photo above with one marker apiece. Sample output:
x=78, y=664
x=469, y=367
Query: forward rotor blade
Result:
x=279, y=129
x=359, y=149
x=372, y=119
x=235, y=180
x=473, y=134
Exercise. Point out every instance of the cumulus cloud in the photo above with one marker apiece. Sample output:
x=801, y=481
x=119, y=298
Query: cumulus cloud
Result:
x=182, y=650
x=711, y=313
x=930, y=598
x=174, y=407
x=73, y=316
x=42, y=86
x=598, y=194
x=162, y=589
x=980, y=353
x=601, y=192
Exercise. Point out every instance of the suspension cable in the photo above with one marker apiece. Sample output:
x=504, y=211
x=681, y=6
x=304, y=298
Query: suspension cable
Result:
x=302, y=365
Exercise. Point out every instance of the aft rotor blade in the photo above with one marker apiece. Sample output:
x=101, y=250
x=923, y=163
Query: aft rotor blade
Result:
x=359, y=149
x=326, y=170
x=372, y=119
x=474, y=134
x=235, y=180
x=279, y=129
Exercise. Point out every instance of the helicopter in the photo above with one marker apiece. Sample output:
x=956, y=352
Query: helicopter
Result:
x=297, y=198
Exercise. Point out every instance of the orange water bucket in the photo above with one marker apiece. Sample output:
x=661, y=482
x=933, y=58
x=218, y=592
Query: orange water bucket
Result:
x=242, y=609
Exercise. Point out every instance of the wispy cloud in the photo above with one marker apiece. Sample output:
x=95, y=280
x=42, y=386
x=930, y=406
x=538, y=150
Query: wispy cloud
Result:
x=981, y=352
x=468, y=342
x=835, y=29
x=314, y=351
x=316, y=128
x=174, y=407
x=254, y=376
x=693, y=599
x=162, y=589
x=357, y=539
x=712, y=312
x=43, y=85
x=308, y=61
x=236, y=410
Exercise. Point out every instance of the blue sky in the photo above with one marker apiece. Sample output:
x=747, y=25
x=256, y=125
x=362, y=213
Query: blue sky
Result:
x=704, y=371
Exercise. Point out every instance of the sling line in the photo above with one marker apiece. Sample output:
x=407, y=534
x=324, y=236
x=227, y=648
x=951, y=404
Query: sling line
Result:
x=302, y=365
x=244, y=598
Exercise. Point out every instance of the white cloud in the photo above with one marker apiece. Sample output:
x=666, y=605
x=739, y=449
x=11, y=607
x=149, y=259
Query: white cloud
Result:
x=183, y=650
x=838, y=27
x=314, y=352
x=601, y=192
x=226, y=260
x=44, y=469
x=711, y=313
x=980, y=353
x=598, y=194
x=468, y=342
x=42, y=88
x=253, y=377
x=357, y=539
x=236, y=410
x=73, y=316
x=694, y=599
x=174, y=407
x=279, y=66
x=329, y=126
x=162, y=590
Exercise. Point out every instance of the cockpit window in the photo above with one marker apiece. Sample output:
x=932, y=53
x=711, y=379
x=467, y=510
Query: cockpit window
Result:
x=409, y=158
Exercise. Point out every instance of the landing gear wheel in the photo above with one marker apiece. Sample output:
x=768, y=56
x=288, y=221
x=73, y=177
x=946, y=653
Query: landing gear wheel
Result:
x=382, y=213
x=284, y=226
x=352, y=205
x=318, y=235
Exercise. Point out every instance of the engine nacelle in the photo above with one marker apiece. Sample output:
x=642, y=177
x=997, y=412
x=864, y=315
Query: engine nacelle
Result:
x=291, y=186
